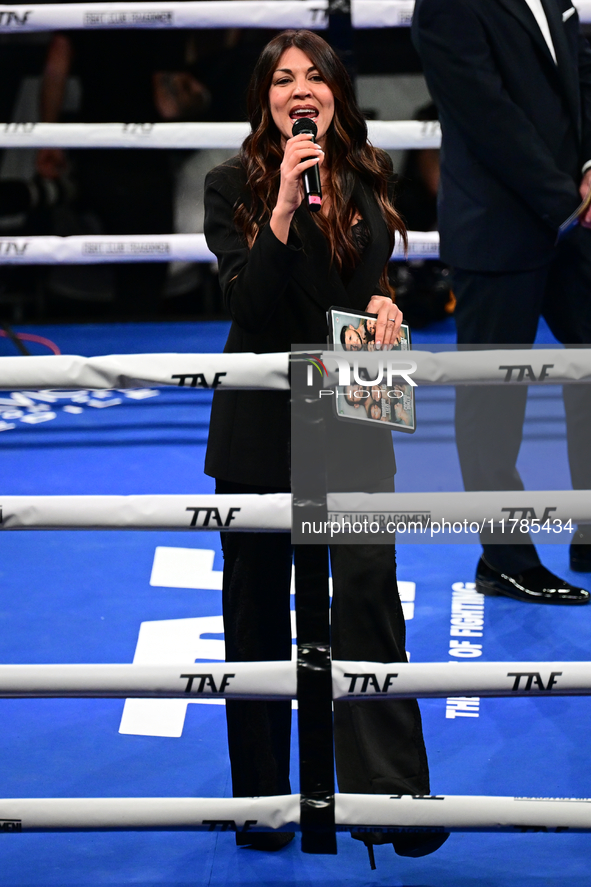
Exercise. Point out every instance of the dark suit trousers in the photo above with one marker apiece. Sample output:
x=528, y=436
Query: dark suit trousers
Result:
x=379, y=745
x=503, y=310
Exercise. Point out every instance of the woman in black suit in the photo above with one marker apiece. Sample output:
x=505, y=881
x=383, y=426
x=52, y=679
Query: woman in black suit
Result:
x=281, y=267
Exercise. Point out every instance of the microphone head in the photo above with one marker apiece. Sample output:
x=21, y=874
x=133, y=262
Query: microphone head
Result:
x=304, y=124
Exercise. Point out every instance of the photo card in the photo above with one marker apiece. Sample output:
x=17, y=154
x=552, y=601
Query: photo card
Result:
x=393, y=406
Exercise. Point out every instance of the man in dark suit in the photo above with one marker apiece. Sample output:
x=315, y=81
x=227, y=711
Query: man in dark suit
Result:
x=512, y=83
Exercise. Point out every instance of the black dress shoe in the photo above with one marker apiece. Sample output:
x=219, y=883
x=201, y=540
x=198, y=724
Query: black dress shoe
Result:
x=413, y=844
x=536, y=585
x=580, y=558
x=269, y=841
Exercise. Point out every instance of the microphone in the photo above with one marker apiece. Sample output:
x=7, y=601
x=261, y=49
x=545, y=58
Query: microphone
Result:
x=310, y=176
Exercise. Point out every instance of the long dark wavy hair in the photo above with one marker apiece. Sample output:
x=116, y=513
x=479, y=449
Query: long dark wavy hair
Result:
x=348, y=152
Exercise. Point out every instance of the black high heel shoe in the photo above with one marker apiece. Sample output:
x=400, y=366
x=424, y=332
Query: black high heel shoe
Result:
x=415, y=844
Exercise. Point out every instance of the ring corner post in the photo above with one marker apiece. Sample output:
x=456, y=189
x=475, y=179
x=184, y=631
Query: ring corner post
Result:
x=314, y=679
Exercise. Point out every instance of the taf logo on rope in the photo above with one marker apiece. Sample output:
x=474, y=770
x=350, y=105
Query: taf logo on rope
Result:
x=531, y=678
x=368, y=681
x=530, y=513
x=197, y=380
x=318, y=13
x=18, y=128
x=206, y=683
x=8, y=19
x=525, y=371
x=12, y=248
x=210, y=512
x=142, y=129
x=227, y=825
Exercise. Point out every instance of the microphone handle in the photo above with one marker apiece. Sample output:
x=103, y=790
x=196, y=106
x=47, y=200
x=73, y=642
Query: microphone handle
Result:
x=312, y=189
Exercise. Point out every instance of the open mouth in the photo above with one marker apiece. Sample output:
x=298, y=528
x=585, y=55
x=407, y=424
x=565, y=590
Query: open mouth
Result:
x=298, y=113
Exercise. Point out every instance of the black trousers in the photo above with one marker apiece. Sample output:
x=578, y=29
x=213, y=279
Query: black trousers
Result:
x=379, y=745
x=504, y=310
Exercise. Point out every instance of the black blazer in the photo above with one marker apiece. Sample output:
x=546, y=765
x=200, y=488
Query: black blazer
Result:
x=516, y=126
x=277, y=296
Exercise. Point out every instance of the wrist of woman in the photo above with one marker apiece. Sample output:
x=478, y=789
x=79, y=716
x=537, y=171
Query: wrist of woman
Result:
x=280, y=223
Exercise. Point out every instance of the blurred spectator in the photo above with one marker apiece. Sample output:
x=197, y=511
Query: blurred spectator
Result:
x=221, y=59
x=125, y=76
x=422, y=287
x=21, y=57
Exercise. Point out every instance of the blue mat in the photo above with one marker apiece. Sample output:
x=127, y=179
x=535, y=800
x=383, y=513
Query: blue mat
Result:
x=83, y=597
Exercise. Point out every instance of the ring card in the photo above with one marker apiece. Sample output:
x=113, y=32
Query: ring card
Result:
x=366, y=401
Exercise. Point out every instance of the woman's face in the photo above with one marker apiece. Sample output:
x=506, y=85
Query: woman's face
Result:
x=352, y=339
x=354, y=395
x=370, y=326
x=375, y=411
x=298, y=90
x=376, y=393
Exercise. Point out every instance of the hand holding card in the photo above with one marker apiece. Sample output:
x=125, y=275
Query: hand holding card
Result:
x=391, y=405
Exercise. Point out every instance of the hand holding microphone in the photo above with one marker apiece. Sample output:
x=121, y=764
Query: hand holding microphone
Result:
x=310, y=176
x=302, y=156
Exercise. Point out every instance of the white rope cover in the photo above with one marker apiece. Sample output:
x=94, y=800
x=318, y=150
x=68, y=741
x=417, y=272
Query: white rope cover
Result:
x=166, y=512
x=202, y=814
x=93, y=249
x=462, y=813
x=165, y=14
x=243, y=370
x=189, y=680
x=507, y=366
x=211, y=14
x=430, y=514
x=402, y=512
x=387, y=134
x=278, y=680
x=423, y=680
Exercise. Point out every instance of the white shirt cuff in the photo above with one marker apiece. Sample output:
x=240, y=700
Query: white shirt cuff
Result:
x=586, y=166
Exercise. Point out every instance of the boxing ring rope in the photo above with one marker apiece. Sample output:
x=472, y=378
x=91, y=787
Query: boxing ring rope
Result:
x=387, y=134
x=264, y=371
x=365, y=680
x=393, y=814
x=520, y=366
x=272, y=512
x=277, y=14
x=92, y=249
x=371, y=681
x=267, y=680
